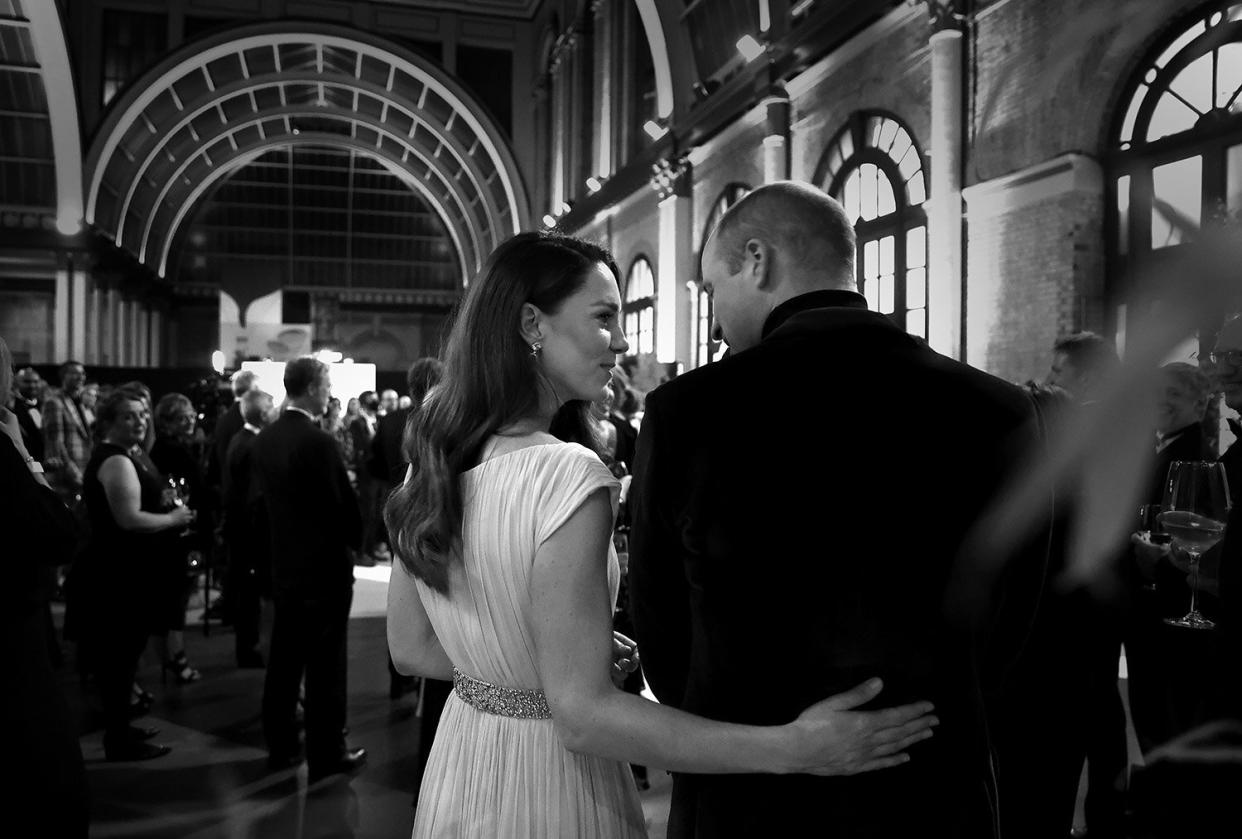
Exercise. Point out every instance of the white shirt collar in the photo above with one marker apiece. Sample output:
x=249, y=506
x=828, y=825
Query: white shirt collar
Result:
x=302, y=411
x=254, y=429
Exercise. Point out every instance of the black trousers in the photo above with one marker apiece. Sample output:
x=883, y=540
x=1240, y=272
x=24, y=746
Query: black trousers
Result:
x=112, y=648
x=244, y=584
x=308, y=638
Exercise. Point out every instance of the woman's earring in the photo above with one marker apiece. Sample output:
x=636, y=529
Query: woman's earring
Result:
x=535, y=349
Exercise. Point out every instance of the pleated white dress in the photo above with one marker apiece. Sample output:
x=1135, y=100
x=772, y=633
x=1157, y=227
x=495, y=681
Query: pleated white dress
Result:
x=498, y=776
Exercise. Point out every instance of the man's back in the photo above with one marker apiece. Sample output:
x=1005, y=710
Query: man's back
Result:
x=310, y=505
x=386, y=448
x=809, y=535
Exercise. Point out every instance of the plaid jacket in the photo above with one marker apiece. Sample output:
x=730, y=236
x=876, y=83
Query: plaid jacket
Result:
x=65, y=437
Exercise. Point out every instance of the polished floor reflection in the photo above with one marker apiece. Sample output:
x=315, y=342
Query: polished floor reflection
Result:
x=216, y=783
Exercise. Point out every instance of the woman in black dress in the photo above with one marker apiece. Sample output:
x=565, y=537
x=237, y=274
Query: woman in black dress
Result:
x=173, y=455
x=113, y=586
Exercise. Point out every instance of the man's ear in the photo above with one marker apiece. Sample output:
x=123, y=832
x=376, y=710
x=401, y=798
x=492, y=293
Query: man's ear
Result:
x=757, y=259
x=530, y=323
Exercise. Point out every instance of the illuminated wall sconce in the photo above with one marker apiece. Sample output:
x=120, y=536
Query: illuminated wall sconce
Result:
x=217, y=361
x=595, y=183
x=749, y=47
x=548, y=220
x=655, y=128
x=565, y=208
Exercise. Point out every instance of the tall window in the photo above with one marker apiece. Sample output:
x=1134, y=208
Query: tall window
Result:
x=639, y=311
x=875, y=169
x=705, y=349
x=1177, y=158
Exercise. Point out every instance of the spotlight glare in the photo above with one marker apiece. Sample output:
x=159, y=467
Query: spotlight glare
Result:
x=749, y=47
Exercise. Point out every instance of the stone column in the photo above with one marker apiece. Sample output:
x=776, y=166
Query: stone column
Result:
x=776, y=140
x=60, y=317
x=676, y=256
x=94, y=300
x=142, y=337
x=77, y=312
x=944, y=217
x=602, y=111
x=112, y=316
x=155, y=337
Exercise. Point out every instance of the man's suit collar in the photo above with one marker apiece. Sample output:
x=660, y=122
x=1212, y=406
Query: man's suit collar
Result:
x=834, y=298
x=292, y=411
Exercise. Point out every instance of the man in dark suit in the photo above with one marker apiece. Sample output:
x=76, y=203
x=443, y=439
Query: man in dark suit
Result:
x=1168, y=669
x=805, y=541
x=313, y=518
x=245, y=532
x=29, y=410
x=227, y=426
x=229, y=423
x=388, y=464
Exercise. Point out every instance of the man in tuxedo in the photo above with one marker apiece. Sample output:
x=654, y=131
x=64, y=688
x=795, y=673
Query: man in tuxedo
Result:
x=66, y=433
x=1089, y=624
x=29, y=410
x=313, y=519
x=362, y=430
x=804, y=541
x=245, y=533
x=388, y=464
x=228, y=424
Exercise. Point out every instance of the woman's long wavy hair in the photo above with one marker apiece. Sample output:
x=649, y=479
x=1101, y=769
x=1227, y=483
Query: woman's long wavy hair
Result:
x=490, y=380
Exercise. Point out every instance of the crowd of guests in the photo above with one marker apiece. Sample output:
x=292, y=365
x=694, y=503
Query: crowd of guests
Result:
x=120, y=498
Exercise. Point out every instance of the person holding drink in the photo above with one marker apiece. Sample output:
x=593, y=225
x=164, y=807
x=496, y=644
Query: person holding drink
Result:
x=1170, y=666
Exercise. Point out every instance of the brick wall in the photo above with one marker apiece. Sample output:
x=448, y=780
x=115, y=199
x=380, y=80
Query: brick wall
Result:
x=1048, y=74
x=1034, y=274
x=893, y=74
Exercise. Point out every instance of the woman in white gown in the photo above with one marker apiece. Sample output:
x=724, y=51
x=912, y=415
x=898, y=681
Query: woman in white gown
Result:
x=507, y=581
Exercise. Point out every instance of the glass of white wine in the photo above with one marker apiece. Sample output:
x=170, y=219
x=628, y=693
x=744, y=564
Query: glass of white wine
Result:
x=1195, y=509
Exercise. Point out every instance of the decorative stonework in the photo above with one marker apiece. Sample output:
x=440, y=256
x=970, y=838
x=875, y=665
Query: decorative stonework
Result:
x=671, y=177
x=945, y=15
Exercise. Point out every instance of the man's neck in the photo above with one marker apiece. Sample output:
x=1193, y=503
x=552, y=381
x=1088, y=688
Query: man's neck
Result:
x=305, y=407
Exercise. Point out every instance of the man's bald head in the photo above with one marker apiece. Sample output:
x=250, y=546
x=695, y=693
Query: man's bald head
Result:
x=780, y=241
x=809, y=231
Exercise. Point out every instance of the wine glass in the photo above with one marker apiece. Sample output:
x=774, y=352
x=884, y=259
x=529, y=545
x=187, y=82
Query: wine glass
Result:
x=1195, y=508
x=178, y=496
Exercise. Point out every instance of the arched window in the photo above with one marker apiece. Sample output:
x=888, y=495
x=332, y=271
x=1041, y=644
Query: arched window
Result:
x=705, y=349
x=1177, y=144
x=639, y=311
x=875, y=169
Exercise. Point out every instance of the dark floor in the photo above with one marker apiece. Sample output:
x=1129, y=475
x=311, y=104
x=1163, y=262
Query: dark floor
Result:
x=215, y=783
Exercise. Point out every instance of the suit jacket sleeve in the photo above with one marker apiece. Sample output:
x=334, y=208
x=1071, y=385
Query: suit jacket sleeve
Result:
x=659, y=596
x=38, y=525
x=377, y=461
x=343, y=492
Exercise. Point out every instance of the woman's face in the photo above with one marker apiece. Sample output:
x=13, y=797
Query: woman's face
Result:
x=182, y=423
x=582, y=339
x=352, y=406
x=130, y=426
x=90, y=397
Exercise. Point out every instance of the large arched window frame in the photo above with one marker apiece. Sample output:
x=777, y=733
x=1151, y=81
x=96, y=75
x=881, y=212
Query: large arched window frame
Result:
x=706, y=349
x=1176, y=158
x=874, y=167
x=639, y=312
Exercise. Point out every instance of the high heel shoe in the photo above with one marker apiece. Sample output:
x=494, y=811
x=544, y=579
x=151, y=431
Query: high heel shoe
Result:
x=180, y=667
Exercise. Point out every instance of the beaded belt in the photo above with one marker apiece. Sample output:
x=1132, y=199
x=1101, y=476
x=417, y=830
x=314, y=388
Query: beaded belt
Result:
x=502, y=701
